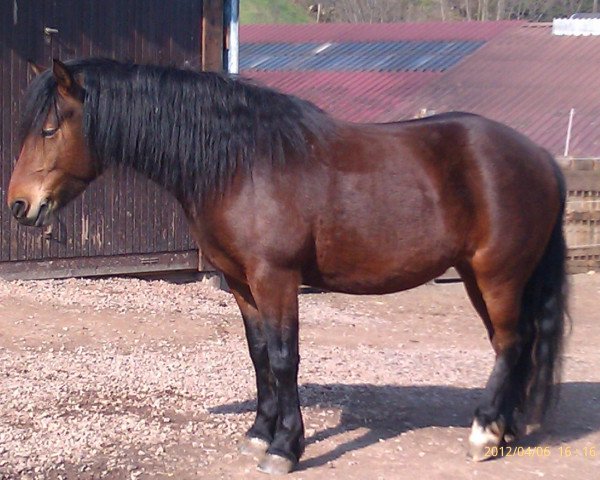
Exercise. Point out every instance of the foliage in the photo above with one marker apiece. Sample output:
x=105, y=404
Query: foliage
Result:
x=375, y=11
x=273, y=11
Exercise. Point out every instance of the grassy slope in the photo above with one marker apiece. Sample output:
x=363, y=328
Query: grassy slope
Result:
x=272, y=11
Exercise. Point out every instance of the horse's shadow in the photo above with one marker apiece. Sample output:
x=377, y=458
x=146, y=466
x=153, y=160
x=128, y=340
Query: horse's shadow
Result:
x=386, y=411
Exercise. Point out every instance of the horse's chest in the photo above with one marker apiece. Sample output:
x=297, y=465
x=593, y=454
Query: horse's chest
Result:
x=214, y=253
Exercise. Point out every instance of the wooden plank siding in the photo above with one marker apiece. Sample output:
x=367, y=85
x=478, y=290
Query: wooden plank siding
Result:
x=212, y=35
x=121, y=214
x=582, y=216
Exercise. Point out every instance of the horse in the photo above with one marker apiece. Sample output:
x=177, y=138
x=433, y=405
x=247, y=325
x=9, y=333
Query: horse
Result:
x=279, y=194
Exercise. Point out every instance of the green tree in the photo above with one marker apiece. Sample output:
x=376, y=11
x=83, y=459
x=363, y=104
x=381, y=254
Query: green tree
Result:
x=374, y=11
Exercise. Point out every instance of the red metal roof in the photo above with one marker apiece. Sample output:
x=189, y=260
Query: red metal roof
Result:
x=530, y=80
x=360, y=95
x=355, y=96
x=370, y=32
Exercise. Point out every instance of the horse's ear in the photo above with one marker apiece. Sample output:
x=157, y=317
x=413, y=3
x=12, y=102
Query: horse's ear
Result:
x=63, y=77
x=67, y=85
x=35, y=68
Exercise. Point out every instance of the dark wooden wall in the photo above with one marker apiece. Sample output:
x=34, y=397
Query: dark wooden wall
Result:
x=121, y=216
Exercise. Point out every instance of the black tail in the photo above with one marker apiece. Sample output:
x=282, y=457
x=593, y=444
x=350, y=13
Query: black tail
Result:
x=543, y=314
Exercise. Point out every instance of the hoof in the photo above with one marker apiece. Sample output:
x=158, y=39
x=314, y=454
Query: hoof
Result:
x=483, y=439
x=532, y=428
x=254, y=447
x=513, y=433
x=275, y=465
x=510, y=437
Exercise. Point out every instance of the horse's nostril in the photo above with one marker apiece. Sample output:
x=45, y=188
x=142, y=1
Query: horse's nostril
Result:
x=19, y=208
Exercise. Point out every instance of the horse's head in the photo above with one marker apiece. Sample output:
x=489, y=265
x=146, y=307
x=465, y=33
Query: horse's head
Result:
x=55, y=164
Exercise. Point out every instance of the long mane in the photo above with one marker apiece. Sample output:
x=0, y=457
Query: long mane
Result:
x=189, y=131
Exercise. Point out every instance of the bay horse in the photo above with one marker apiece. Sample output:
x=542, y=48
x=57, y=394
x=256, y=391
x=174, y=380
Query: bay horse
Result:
x=278, y=194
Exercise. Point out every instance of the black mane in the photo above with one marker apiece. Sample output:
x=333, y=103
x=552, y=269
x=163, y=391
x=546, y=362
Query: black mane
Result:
x=188, y=131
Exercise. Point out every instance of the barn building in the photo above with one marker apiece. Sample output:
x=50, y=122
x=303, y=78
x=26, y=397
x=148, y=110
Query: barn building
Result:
x=123, y=223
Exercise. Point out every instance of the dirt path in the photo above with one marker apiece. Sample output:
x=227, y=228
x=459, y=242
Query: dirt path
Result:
x=127, y=379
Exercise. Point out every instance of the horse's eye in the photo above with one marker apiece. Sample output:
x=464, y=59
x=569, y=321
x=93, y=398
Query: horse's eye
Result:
x=48, y=132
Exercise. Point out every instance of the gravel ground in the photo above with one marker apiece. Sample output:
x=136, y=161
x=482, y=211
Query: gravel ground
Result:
x=133, y=379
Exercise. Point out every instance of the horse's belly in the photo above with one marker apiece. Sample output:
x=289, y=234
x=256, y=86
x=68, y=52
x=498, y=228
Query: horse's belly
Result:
x=380, y=265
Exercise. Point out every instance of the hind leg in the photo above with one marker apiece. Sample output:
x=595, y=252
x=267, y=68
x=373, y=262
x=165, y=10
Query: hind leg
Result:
x=494, y=421
x=513, y=400
x=470, y=282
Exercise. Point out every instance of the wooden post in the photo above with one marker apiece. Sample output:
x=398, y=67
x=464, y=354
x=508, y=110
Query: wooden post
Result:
x=212, y=35
x=569, y=128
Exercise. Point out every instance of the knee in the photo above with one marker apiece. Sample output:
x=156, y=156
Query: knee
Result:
x=283, y=362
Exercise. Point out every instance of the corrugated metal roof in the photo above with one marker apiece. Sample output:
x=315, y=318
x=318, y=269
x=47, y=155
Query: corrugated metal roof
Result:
x=362, y=72
x=372, y=32
x=359, y=96
x=524, y=76
x=530, y=80
x=357, y=56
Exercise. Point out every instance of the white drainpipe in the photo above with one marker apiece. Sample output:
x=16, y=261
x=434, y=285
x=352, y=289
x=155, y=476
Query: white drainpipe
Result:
x=233, y=54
